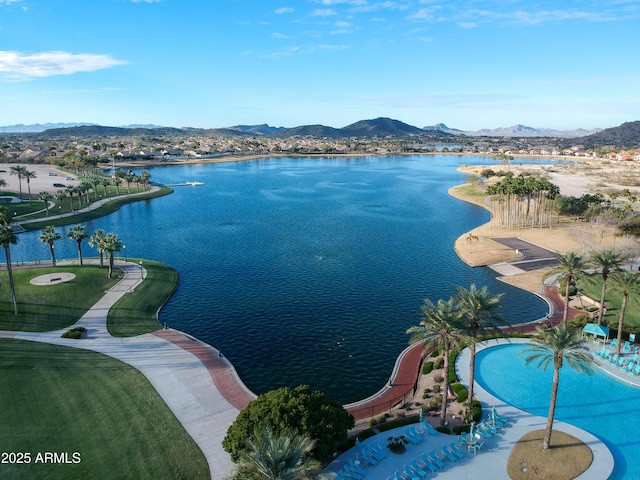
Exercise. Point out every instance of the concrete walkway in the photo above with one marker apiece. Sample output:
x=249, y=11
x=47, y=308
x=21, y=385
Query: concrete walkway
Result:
x=171, y=361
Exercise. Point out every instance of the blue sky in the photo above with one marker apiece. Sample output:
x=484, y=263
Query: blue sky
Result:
x=469, y=63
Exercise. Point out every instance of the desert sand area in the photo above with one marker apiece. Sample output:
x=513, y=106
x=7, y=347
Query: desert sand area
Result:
x=46, y=176
x=476, y=248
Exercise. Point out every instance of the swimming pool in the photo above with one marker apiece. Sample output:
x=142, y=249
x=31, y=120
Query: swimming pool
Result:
x=599, y=404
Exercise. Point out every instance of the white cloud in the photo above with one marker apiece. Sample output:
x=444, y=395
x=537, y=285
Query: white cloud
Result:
x=146, y=1
x=9, y=2
x=282, y=10
x=21, y=66
x=324, y=12
x=280, y=36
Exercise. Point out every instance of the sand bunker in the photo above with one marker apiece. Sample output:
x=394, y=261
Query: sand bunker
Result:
x=52, y=278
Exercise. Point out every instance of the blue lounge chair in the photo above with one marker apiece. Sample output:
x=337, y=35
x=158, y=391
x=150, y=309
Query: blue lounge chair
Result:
x=602, y=352
x=412, y=474
x=413, y=436
x=501, y=418
x=614, y=343
x=636, y=370
x=450, y=456
x=350, y=474
x=367, y=457
x=377, y=451
x=463, y=438
x=429, y=428
x=356, y=468
x=456, y=452
x=488, y=427
x=418, y=469
x=399, y=476
x=629, y=367
x=620, y=362
x=434, y=459
x=612, y=359
x=627, y=347
x=424, y=461
x=479, y=441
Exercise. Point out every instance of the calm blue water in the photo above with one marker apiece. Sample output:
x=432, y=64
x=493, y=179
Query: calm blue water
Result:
x=306, y=270
x=605, y=407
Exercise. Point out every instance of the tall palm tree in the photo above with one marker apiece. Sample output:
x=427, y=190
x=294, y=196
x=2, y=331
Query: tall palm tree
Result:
x=440, y=327
x=480, y=310
x=60, y=196
x=110, y=244
x=49, y=235
x=8, y=238
x=78, y=233
x=269, y=457
x=46, y=197
x=624, y=282
x=607, y=261
x=18, y=170
x=95, y=241
x=572, y=266
x=553, y=347
x=28, y=175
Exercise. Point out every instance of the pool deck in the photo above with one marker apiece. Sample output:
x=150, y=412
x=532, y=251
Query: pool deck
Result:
x=490, y=462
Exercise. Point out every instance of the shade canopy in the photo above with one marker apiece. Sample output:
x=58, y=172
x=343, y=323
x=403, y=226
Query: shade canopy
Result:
x=595, y=329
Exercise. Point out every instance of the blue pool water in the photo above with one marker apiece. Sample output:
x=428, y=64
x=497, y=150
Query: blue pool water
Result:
x=306, y=270
x=600, y=404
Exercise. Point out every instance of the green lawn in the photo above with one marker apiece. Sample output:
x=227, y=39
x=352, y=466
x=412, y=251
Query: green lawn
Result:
x=136, y=312
x=51, y=307
x=66, y=400
x=613, y=303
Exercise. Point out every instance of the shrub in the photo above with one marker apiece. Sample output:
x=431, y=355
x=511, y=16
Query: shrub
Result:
x=461, y=392
x=476, y=411
x=400, y=422
x=461, y=428
x=397, y=444
x=427, y=368
x=435, y=353
x=74, y=333
x=439, y=363
x=436, y=388
x=438, y=378
x=443, y=429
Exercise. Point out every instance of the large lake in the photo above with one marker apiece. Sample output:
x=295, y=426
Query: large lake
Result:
x=306, y=271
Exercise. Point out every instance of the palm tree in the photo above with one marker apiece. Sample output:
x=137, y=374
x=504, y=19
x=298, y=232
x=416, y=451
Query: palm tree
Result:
x=480, y=309
x=28, y=175
x=624, y=282
x=110, y=244
x=78, y=233
x=8, y=238
x=440, y=327
x=46, y=197
x=19, y=170
x=554, y=346
x=49, y=235
x=95, y=241
x=470, y=238
x=571, y=265
x=277, y=458
x=60, y=196
x=607, y=261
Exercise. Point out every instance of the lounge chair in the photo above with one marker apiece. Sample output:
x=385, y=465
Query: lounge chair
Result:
x=614, y=343
x=434, y=459
x=612, y=359
x=429, y=428
x=450, y=456
x=479, y=441
x=463, y=438
x=399, y=476
x=352, y=466
x=350, y=474
x=636, y=370
x=629, y=367
x=424, y=461
x=418, y=469
x=379, y=452
x=411, y=473
x=627, y=347
x=634, y=359
x=413, y=436
x=368, y=457
x=602, y=352
x=456, y=452
x=620, y=362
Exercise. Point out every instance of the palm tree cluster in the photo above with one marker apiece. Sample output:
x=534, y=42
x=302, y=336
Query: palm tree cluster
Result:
x=523, y=201
x=452, y=324
x=8, y=238
x=607, y=264
x=23, y=173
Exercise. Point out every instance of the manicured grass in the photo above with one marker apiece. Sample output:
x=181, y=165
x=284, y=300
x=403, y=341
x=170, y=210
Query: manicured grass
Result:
x=136, y=312
x=105, y=209
x=51, y=307
x=613, y=303
x=65, y=400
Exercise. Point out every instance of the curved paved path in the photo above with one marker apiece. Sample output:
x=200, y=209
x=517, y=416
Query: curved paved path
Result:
x=187, y=374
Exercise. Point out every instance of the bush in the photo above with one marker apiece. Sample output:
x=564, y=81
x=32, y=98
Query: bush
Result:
x=438, y=378
x=476, y=411
x=461, y=392
x=397, y=444
x=427, y=368
x=563, y=287
x=435, y=353
x=461, y=428
x=74, y=333
x=439, y=363
x=443, y=429
x=436, y=388
x=400, y=422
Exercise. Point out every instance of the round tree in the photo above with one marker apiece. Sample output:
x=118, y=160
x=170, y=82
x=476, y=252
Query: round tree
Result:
x=298, y=410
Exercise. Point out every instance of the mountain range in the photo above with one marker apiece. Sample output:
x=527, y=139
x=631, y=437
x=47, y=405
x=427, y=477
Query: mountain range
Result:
x=378, y=127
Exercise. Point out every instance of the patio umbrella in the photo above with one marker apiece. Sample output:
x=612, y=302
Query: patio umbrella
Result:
x=357, y=450
x=421, y=420
x=471, y=430
x=493, y=415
